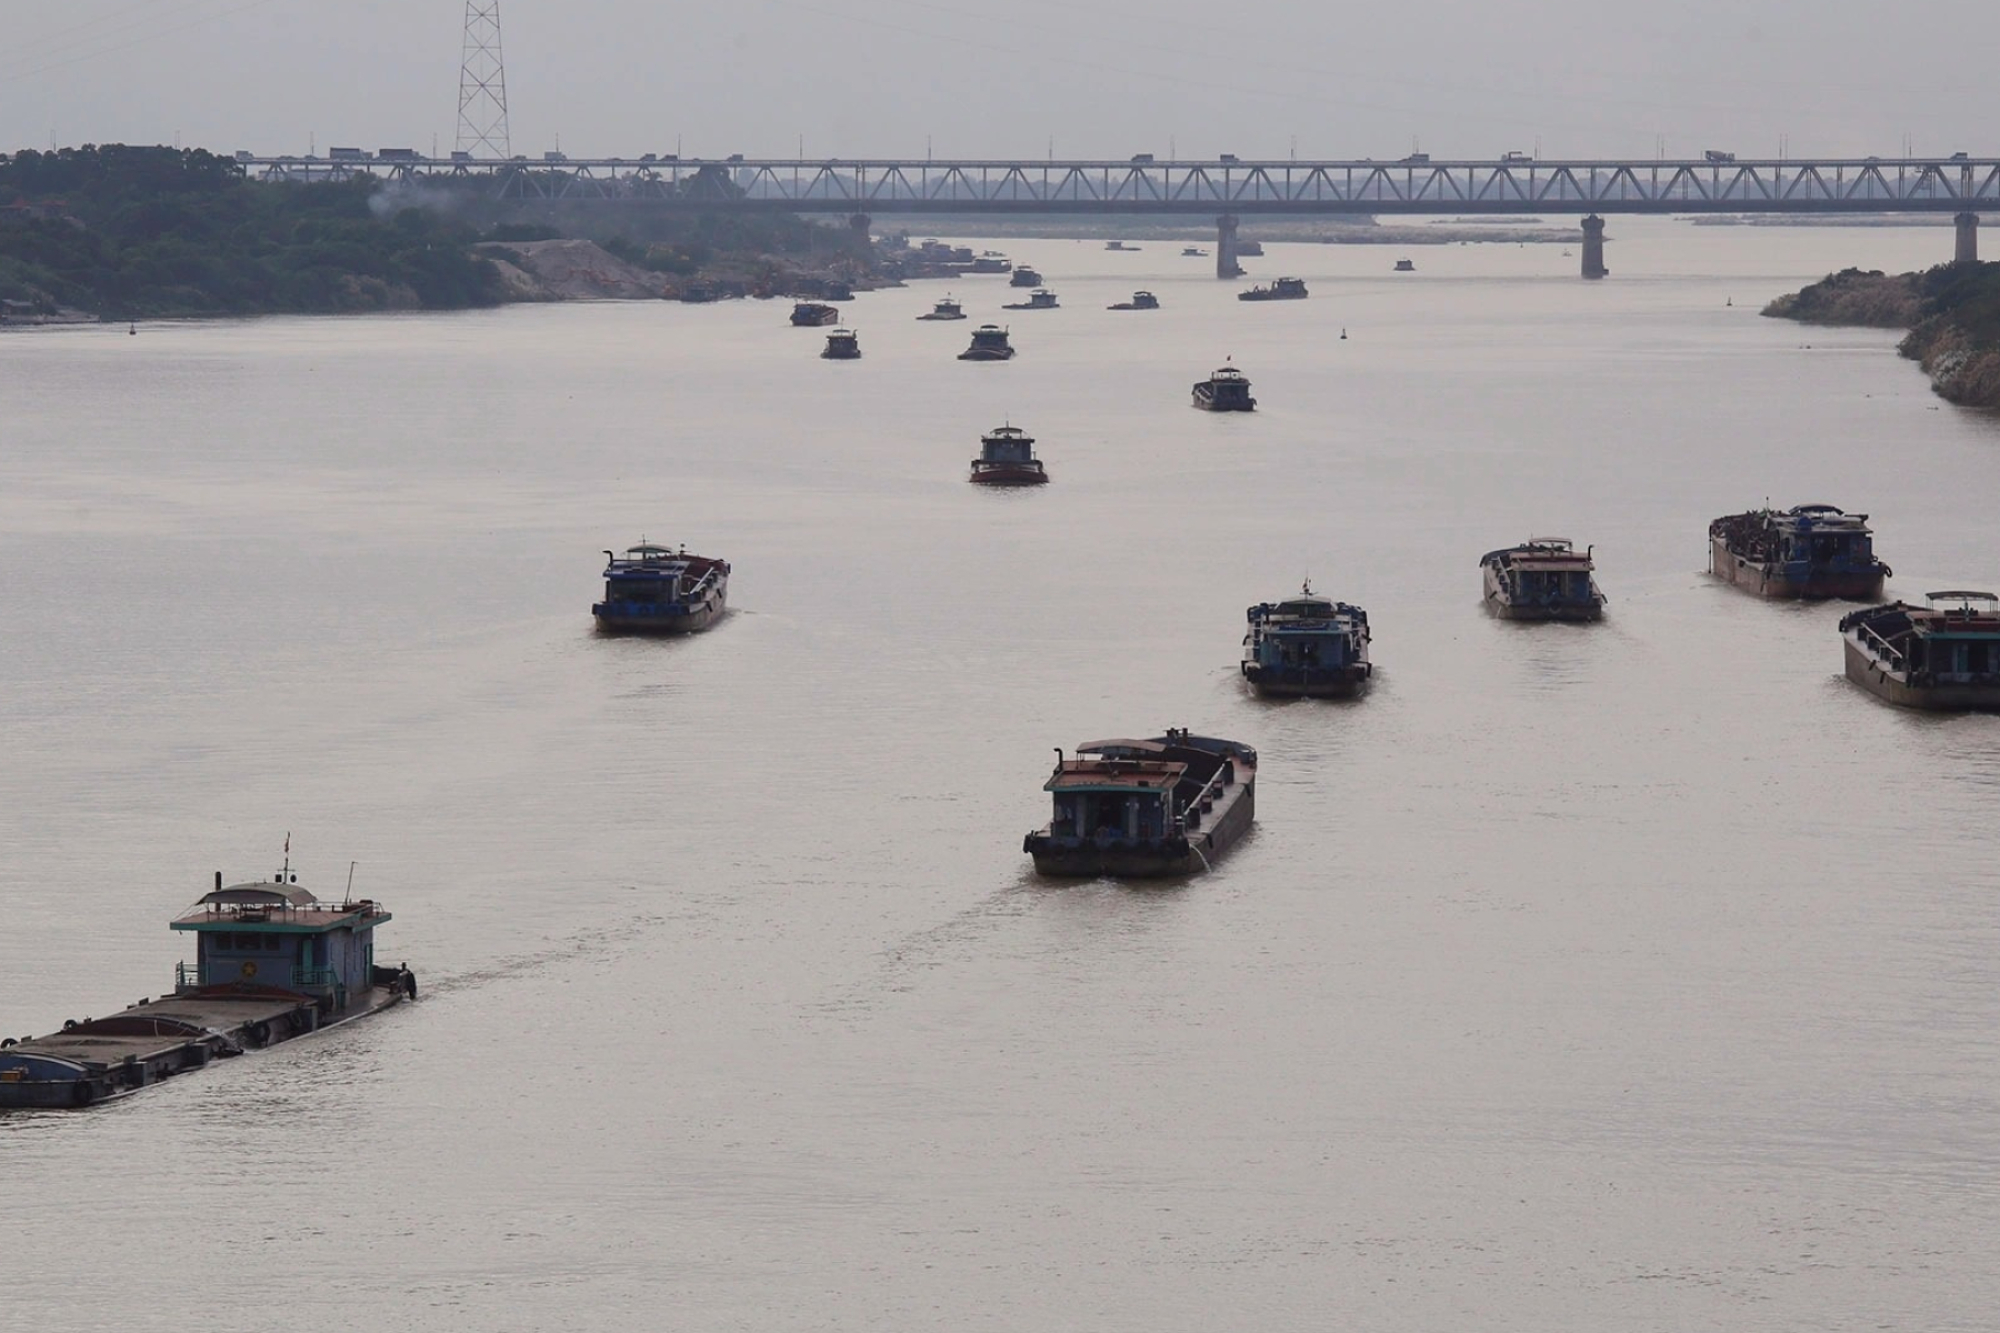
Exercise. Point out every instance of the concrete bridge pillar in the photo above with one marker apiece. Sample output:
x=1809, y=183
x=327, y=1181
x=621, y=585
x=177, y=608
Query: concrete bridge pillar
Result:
x=1225, y=248
x=1968, y=238
x=859, y=224
x=1593, y=247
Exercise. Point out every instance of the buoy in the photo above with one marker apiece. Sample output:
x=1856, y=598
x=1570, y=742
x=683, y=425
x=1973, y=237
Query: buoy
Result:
x=1343, y=335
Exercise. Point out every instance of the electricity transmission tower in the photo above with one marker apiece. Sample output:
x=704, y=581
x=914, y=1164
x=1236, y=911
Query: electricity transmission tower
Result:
x=482, y=85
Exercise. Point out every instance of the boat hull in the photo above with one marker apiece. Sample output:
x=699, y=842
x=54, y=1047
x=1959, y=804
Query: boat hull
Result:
x=981, y=354
x=1016, y=476
x=1867, y=671
x=1208, y=402
x=1299, y=683
x=1202, y=847
x=938, y=317
x=113, y=1058
x=1759, y=578
x=636, y=618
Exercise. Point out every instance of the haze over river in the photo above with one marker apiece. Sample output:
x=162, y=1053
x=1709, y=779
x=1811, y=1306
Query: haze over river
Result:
x=1643, y=975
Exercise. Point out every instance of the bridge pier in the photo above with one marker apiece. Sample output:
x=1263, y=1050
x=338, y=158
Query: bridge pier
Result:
x=1593, y=247
x=859, y=224
x=1226, y=266
x=1968, y=239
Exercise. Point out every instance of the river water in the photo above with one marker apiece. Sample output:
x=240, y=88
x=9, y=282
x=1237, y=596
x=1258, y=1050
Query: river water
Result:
x=1637, y=976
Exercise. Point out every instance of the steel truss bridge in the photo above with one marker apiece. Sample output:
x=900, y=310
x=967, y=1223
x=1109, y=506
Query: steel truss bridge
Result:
x=1958, y=184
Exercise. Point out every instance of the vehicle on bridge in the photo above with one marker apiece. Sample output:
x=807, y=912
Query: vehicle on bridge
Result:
x=1284, y=289
x=989, y=343
x=1716, y=155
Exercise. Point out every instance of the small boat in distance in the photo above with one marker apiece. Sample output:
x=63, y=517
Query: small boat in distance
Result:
x=1194, y=252
x=272, y=962
x=809, y=314
x=1227, y=390
x=1025, y=277
x=1405, y=266
x=1146, y=808
x=990, y=262
x=1284, y=289
x=1544, y=578
x=1120, y=245
x=1307, y=646
x=1250, y=249
x=842, y=345
x=1808, y=551
x=1007, y=458
x=1039, y=299
x=1139, y=301
x=1944, y=656
x=654, y=590
x=989, y=343
x=945, y=309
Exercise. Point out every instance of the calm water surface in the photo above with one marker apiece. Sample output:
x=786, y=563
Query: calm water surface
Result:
x=1638, y=976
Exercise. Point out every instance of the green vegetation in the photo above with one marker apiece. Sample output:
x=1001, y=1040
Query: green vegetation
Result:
x=1952, y=313
x=122, y=232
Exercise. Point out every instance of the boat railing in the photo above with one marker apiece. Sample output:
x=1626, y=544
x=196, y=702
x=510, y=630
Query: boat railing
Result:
x=1872, y=639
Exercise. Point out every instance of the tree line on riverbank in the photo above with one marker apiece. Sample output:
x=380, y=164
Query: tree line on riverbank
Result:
x=120, y=232
x=1951, y=312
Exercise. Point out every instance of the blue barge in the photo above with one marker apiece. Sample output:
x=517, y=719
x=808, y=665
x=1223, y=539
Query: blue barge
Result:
x=654, y=590
x=271, y=963
x=1544, y=578
x=1146, y=808
x=1307, y=645
x=1807, y=551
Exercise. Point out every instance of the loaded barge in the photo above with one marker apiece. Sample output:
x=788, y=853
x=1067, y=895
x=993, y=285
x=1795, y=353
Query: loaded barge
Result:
x=1307, y=646
x=1811, y=551
x=271, y=963
x=1544, y=578
x=1146, y=808
x=1943, y=657
x=654, y=590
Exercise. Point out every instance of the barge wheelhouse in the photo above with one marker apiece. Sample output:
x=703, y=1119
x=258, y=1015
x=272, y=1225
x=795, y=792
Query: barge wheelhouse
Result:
x=1307, y=645
x=272, y=962
x=654, y=590
x=1227, y=390
x=1544, y=578
x=1007, y=458
x=1146, y=808
x=1807, y=551
x=1944, y=656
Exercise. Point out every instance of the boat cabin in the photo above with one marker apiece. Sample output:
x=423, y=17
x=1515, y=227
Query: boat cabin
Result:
x=1007, y=444
x=1112, y=790
x=842, y=345
x=1546, y=573
x=1955, y=640
x=276, y=935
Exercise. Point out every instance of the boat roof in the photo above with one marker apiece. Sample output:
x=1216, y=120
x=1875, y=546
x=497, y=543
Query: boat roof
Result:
x=1961, y=596
x=1007, y=433
x=1227, y=373
x=271, y=906
x=1116, y=775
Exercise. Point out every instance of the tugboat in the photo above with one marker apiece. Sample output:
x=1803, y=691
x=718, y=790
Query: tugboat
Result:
x=1120, y=245
x=1943, y=657
x=1139, y=301
x=1307, y=645
x=989, y=343
x=810, y=314
x=1544, y=578
x=652, y=590
x=1025, y=277
x=1039, y=299
x=1405, y=266
x=1146, y=808
x=841, y=345
x=272, y=963
x=1284, y=289
x=991, y=262
x=945, y=309
x=1806, y=551
x=1227, y=390
x=1007, y=458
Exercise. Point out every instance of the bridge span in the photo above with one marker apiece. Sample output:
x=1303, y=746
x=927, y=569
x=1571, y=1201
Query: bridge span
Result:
x=1225, y=189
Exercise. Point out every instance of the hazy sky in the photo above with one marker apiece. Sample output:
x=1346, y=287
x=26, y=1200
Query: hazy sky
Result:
x=1099, y=77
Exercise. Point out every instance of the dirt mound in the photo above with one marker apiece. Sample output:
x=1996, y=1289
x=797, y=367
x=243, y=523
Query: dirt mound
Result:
x=569, y=271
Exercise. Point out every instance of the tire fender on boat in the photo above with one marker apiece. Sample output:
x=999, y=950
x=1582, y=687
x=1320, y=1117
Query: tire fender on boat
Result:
x=258, y=1032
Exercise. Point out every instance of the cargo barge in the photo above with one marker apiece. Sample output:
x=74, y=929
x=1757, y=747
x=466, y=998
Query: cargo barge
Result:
x=1544, y=578
x=1944, y=657
x=1146, y=808
x=654, y=590
x=1307, y=646
x=271, y=963
x=1807, y=551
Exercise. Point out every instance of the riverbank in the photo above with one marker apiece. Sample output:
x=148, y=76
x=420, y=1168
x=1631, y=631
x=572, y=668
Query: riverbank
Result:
x=1951, y=312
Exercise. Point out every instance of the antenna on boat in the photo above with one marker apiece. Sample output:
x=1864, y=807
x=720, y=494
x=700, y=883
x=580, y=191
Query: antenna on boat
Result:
x=285, y=874
x=350, y=880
